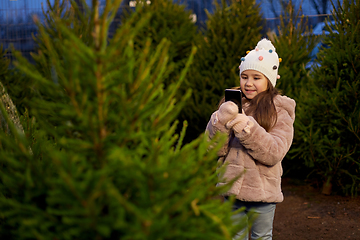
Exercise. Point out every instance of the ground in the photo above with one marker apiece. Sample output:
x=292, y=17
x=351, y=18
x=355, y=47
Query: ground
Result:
x=306, y=214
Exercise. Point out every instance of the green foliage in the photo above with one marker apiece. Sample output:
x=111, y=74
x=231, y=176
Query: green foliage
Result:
x=17, y=86
x=79, y=23
x=230, y=31
x=329, y=114
x=4, y=63
x=8, y=111
x=171, y=21
x=293, y=44
x=21, y=88
x=100, y=158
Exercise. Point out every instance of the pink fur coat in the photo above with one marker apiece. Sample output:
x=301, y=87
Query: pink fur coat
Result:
x=254, y=154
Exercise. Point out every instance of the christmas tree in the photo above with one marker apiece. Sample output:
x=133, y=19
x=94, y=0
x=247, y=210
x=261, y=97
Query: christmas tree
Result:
x=100, y=158
x=171, y=21
x=329, y=110
x=294, y=43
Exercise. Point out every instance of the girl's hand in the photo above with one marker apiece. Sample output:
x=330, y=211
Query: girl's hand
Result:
x=227, y=112
x=239, y=122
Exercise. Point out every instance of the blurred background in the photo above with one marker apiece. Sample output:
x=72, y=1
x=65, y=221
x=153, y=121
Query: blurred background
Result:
x=17, y=26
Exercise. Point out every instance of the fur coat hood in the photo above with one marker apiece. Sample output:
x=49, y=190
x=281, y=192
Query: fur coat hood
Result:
x=254, y=156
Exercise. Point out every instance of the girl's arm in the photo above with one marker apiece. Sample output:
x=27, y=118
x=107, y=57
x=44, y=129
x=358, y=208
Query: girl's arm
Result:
x=227, y=112
x=218, y=120
x=268, y=148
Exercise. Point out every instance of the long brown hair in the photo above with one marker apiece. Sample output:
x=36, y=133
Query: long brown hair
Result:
x=262, y=107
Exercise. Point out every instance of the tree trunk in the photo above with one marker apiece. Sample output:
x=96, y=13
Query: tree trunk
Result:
x=327, y=187
x=11, y=112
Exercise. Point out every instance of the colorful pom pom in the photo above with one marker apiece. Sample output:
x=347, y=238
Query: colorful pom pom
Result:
x=247, y=52
x=261, y=58
x=270, y=50
x=278, y=77
x=242, y=59
x=280, y=59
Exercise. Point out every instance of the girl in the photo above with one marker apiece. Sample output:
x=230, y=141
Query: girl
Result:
x=259, y=139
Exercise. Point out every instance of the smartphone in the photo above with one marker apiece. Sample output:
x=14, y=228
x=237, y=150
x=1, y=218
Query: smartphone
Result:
x=235, y=96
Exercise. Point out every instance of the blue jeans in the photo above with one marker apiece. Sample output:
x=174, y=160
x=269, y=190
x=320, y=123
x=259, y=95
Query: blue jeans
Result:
x=262, y=226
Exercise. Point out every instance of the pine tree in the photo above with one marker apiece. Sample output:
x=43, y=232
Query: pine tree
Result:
x=168, y=20
x=231, y=30
x=21, y=88
x=293, y=45
x=105, y=162
x=329, y=111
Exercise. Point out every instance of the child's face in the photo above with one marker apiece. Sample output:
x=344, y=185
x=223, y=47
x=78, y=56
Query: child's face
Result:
x=252, y=83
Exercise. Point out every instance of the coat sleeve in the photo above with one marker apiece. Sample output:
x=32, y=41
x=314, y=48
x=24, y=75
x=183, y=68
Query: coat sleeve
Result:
x=268, y=148
x=214, y=126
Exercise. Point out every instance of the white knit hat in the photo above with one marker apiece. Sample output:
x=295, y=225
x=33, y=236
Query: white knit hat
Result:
x=263, y=59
